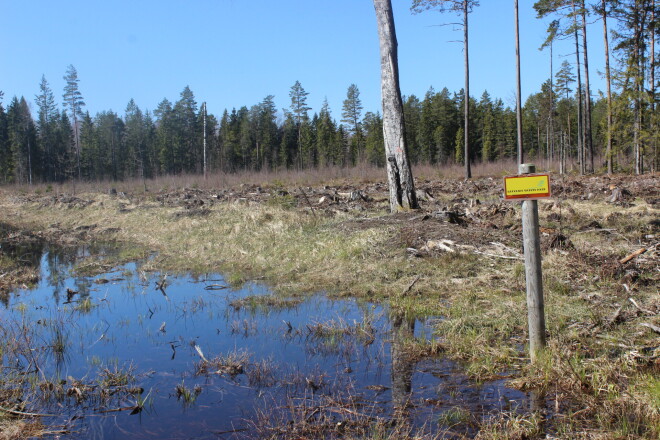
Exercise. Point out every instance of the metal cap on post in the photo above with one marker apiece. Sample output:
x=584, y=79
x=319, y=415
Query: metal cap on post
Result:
x=526, y=168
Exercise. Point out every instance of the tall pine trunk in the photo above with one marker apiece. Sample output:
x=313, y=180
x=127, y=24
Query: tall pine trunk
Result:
x=588, y=146
x=654, y=117
x=466, y=129
x=639, y=88
x=401, y=184
x=580, y=128
x=518, y=99
x=608, y=78
x=552, y=111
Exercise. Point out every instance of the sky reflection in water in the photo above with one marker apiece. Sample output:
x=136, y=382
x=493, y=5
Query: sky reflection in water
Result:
x=132, y=323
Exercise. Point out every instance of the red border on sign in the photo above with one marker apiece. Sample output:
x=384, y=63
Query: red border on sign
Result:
x=535, y=196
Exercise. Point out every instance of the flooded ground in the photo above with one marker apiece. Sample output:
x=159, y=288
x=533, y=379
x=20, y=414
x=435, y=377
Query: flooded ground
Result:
x=156, y=356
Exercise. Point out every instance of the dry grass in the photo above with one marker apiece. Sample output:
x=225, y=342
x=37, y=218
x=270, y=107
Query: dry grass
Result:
x=360, y=174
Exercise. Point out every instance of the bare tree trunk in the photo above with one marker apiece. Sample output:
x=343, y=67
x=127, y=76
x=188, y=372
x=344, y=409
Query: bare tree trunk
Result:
x=654, y=117
x=518, y=99
x=589, y=149
x=639, y=86
x=567, y=144
x=562, y=154
x=204, y=128
x=608, y=77
x=401, y=184
x=76, y=140
x=466, y=129
x=580, y=132
x=552, y=110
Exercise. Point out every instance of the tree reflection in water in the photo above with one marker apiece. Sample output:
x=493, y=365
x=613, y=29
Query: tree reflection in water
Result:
x=403, y=331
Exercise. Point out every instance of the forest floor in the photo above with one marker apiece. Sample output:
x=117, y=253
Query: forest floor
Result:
x=459, y=257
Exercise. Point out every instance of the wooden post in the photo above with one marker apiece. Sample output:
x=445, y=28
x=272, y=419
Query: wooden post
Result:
x=533, y=272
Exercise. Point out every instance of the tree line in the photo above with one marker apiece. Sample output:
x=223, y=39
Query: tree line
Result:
x=563, y=123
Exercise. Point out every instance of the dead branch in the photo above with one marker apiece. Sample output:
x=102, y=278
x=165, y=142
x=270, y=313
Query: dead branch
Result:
x=614, y=318
x=506, y=257
x=633, y=255
x=655, y=328
x=645, y=311
x=410, y=286
x=307, y=200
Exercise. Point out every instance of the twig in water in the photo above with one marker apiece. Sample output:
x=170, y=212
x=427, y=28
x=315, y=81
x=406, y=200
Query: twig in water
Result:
x=199, y=352
x=21, y=413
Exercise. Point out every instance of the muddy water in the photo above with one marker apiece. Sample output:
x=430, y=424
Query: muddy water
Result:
x=293, y=353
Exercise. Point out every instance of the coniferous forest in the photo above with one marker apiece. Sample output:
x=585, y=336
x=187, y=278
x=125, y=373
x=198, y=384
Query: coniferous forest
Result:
x=565, y=123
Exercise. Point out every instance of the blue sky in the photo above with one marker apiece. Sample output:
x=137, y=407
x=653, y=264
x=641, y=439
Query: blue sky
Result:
x=235, y=52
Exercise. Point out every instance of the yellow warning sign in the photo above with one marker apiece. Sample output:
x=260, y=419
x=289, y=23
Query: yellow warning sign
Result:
x=528, y=186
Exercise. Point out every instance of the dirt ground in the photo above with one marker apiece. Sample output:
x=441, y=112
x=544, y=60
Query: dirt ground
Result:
x=475, y=206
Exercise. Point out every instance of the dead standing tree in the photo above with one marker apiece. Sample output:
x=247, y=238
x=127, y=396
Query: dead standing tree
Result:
x=401, y=184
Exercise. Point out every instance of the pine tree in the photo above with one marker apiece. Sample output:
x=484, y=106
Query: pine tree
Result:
x=374, y=142
x=428, y=123
x=458, y=146
x=109, y=133
x=4, y=143
x=634, y=31
x=88, y=147
x=135, y=141
x=187, y=142
x=571, y=11
x=412, y=111
x=164, y=136
x=463, y=7
x=22, y=136
x=351, y=114
x=289, y=141
x=299, y=111
x=74, y=102
x=326, y=144
x=65, y=167
x=448, y=117
x=267, y=133
x=47, y=126
x=487, y=128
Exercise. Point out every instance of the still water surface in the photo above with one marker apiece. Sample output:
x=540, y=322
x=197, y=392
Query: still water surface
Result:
x=293, y=352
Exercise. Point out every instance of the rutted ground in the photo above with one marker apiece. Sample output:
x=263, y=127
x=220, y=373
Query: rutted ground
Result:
x=458, y=257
